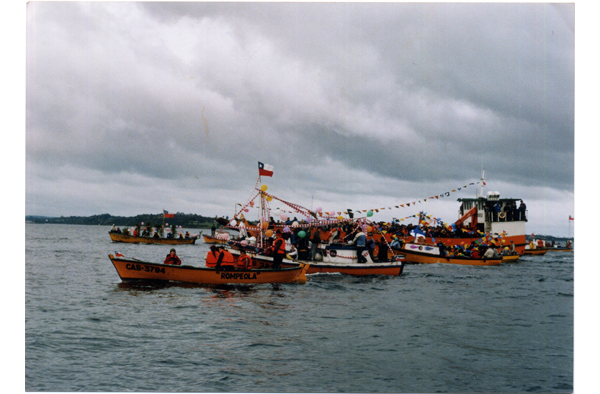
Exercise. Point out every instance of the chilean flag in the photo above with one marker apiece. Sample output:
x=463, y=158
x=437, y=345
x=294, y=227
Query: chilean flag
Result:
x=265, y=169
x=166, y=214
x=571, y=218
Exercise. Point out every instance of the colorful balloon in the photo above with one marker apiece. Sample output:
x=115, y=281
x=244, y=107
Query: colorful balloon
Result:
x=269, y=233
x=283, y=217
x=263, y=188
x=370, y=213
x=301, y=234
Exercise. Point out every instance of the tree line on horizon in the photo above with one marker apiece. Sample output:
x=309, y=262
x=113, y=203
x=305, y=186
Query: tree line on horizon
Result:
x=186, y=220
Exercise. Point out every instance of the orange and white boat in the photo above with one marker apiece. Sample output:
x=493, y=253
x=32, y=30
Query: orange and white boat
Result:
x=430, y=254
x=337, y=258
x=137, y=270
x=215, y=240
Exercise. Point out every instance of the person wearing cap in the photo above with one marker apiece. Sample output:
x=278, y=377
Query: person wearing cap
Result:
x=172, y=258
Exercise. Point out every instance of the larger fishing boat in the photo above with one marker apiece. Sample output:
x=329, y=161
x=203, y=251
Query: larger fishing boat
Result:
x=431, y=254
x=490, y=216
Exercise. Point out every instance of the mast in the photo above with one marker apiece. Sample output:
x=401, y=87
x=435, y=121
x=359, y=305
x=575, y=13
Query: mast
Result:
x=480, y=194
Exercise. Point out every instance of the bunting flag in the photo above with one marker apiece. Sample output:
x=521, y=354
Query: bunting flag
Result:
x=265, y=169
x=166, y=214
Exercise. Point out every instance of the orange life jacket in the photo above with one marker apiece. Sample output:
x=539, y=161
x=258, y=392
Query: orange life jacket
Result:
x=227, y=258
x=244, y=262
x=211, y=259
x=281, y=249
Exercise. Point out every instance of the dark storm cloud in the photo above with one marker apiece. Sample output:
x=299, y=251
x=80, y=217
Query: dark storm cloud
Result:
x=405, y=95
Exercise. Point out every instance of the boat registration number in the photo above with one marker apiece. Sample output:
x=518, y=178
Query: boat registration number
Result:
x=145, y=268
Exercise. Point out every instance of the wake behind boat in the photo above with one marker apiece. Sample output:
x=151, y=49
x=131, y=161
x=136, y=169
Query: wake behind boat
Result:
x=136, y=270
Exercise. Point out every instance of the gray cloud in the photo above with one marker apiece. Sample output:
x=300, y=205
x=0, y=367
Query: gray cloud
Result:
x=388, y=96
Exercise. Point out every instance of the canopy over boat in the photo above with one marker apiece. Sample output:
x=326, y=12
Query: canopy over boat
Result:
x=137, y=270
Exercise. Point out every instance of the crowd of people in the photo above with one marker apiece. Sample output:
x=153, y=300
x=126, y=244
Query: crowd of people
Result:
x=150, y=232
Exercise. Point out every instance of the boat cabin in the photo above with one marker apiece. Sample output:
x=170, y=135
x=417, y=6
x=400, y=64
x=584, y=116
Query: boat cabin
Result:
x=494, y=214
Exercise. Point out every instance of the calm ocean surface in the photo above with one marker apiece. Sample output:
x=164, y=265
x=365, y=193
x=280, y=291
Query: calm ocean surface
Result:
x=436, y=328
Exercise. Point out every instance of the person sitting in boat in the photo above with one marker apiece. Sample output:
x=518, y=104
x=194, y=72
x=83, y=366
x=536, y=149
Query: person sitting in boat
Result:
x=244, y=261
x=475, y=253
x=505, y=251
x=396, y=244
x=187, y=234
x=212, y=256
x=172, y=258
x=170, y=235
x=225, y=261
x=156, y=235
x=491, y=253
x=113, y=229
x=315, y=239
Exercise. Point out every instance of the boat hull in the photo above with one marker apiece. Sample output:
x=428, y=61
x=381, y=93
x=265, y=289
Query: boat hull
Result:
x=560, y=250
x=136, y=270
x=510, y=258
x=430, y=255
x=535, y=252
x=319, y=267
x=118, y=237
x=212, y=240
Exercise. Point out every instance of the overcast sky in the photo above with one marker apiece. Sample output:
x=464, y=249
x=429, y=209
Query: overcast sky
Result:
x=137, y=107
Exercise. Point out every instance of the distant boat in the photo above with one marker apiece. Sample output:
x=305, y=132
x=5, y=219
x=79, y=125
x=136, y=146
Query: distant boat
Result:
x=430, y=254
x=137, y=270
x=536, y=251
x=214, y=240
x=120, y=237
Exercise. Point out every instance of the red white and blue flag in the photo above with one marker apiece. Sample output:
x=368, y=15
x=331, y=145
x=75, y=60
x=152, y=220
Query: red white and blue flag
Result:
x=166, y=214
x=265, y=169
x=571, y=218
x=118, y=254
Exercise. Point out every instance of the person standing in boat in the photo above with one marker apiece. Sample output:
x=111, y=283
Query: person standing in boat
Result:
x=521, y=210
x=172, y=258
x=360, y=240
x=315, y=239
x=278, y=250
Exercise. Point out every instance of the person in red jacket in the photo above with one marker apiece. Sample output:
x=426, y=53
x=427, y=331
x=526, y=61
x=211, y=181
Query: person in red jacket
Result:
x=244, y=261
x=212, y=256
x=172, y=258
x=278, y=250
x=226, y=260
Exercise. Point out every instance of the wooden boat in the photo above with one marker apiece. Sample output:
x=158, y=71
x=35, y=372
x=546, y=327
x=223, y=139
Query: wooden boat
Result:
x=430, y=254
x=337, y=259
x=512, y=257
x=119, y=237
x=536, y=251
x=560, y=249
x=213, y=240
x=137, y=270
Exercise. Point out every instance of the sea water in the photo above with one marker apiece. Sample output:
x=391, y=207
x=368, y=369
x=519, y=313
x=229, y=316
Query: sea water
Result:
x=435, y=328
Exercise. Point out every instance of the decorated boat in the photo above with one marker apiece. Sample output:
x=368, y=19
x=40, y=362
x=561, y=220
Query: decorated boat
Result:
x=120, y=237
x=336, y=259
x=215, y=239
x=136, y=270
x=431, y=254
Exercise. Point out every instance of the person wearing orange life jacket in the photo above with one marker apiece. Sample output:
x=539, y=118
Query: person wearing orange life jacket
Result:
x=212, y=256
x=172, y=258
x=540, y=243
x=278, y=250
x=244, y=261
x=225, y=261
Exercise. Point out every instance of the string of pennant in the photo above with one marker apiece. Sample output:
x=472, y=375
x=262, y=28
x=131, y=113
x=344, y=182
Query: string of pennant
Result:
x=333, y=214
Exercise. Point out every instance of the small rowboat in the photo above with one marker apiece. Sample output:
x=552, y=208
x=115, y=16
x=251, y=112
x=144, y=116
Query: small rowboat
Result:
x=137, y=270
x=213, y=240
x=119, y=237
x=537, y=251
x=512, y=257
x=429, y=254
x=559, y=249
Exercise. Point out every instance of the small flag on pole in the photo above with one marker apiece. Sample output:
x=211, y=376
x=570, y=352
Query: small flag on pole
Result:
x=118, y=254
x=265, y=169
x=571, y=217
x=166, y=214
